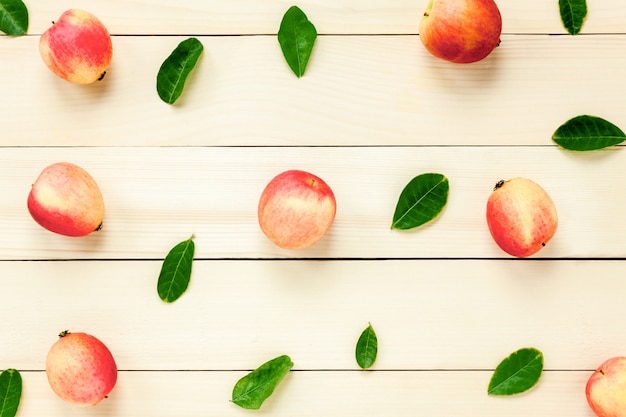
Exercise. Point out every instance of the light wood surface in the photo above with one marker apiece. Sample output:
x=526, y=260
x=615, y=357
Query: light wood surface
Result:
x=372, y=111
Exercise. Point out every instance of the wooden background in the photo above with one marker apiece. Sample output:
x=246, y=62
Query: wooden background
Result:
x=373, y=110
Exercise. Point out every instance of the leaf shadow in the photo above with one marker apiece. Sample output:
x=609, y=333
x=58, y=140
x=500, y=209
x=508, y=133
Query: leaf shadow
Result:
x=592, y=157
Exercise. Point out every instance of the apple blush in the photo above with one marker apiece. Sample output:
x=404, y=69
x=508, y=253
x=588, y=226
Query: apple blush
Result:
x=66, y=200
x=80, y=369
x=77, y=47
x=296, y=209
x=461, y=31
x=521, y=217
x=606, y=388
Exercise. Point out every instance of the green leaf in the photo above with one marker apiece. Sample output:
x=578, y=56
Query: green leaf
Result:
x=253, y=389
x=421, y=201
x=587, y=133
x=176, y=68
x=367, y=348
x=517, y=373
x=176, y=271
x=13, y=17
x=573, y=13
x=296, y=37
x=10, y=392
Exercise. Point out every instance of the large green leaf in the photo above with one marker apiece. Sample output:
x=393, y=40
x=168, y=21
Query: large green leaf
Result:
x=421, y=201
x=367, y=348
x=13, y=17
x=176, y=68
x=176, y=271
x=573, y=13
x=518, y=372
x=10, y=392
x=587, y=133
x=253, y=389
x=296, y=37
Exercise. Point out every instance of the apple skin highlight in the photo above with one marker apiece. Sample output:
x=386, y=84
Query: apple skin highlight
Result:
x=65, y=199
x=296, y=209
x=521, y=217
x=80, y=369
x=606, y=388
x=77, y=47
x=461, y=31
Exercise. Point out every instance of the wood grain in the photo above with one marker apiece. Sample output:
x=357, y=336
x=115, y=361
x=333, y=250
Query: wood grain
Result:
x=310, y=394
x=197, y=17
x=243, y=94
x=157, y=197
x=373, y=110
x=428, y=314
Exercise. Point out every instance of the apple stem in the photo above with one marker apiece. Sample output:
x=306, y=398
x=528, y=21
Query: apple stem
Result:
x=312, y=184
x=498, y=184
x=64, y=333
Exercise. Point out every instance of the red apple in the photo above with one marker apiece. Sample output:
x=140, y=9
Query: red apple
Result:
x=80, y=369
x=77, y=47
x=521, y=216
x=65, y=199
x=461, y=31
x=606, y=388
x=296, y=209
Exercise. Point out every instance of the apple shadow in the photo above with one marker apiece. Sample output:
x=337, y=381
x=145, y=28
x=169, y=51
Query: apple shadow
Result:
x=454, y=76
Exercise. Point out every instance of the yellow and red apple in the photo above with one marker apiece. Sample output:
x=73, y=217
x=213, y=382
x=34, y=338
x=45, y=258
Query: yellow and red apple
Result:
x=296, y=209
x=461, y=31
x=606, y=388
x=66, y=200
x=521, y=216
x=80, y=369
x=77, y=47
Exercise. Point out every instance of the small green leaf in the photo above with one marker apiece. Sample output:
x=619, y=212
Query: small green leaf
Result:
x=253, y=389
x=421, y=201
x=296, y=37
x=517, y=373
x=13, y=17
x=176, y=68
x=176, y=271
x=10, y=392
x=367, y=348
x=587, y=133
x=573, y=13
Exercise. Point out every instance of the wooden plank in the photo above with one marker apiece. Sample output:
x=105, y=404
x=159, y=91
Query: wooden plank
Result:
x=157, y=197
x=428, y=315
x=347, y=17
x=345, y=394
x=243, y=93
x=373, y=110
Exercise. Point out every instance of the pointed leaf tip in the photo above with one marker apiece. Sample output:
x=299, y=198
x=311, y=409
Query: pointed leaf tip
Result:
x=367, y=348
x=176, y=271
x=517, y=373
x=587, y=133
x=421, y=201
x=254, y=388
x=176, y=68
x=573, y=13
x=296, y=37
